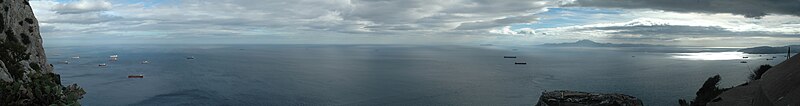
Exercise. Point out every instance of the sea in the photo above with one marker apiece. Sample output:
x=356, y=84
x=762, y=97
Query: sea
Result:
x=386, y=75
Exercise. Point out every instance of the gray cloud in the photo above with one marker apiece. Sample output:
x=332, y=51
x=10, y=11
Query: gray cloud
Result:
x=358, y=20
x=672, y=32
x=495, y=23
x=291, y=17
x=748, y=8
x=86, y=18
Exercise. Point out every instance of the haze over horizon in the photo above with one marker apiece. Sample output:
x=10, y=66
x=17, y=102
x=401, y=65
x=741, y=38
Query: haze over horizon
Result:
x=742, y=23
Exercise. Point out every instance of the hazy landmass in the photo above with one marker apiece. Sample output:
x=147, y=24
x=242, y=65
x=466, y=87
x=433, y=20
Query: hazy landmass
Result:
x=770, y=50
x=637, y=47
x=590, y=43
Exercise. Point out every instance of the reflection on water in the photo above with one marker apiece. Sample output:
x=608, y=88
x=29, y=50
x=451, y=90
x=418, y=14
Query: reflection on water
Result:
x=710, y=55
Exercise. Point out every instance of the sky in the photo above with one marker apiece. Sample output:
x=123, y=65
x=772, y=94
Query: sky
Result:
x=720, y=23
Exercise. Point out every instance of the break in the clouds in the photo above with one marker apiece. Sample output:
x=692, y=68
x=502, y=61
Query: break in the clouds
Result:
x=413, y=21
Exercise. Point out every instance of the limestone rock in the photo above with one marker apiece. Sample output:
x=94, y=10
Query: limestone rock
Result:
x=25, y=76
x=577, y=98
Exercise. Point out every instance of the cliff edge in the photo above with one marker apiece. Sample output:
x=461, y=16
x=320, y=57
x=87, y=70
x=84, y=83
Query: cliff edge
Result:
x=25, y=76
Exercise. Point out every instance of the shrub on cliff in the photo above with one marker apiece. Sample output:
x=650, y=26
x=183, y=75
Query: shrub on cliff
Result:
x=43, y=89
x=707, y=93
x=757, y=73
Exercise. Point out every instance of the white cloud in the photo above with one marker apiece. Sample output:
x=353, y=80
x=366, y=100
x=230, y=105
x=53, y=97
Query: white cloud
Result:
x=508, y=31
x=82, y=6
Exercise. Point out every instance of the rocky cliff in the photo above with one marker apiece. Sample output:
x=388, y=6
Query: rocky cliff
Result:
x=25, y=76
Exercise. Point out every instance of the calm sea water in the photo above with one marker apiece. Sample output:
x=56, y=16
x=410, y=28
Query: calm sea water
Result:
x=381, y=74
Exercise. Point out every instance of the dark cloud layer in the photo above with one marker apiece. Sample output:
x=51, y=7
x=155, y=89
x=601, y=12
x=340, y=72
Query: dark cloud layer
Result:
x=748, y=8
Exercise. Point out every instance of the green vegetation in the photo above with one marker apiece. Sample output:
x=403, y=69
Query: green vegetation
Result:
x=707, y=93
x=710, y=89
x=43, y=89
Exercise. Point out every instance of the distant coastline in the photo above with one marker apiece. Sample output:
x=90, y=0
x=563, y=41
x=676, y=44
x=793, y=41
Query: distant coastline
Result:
x=590, y=43
x=770, y=50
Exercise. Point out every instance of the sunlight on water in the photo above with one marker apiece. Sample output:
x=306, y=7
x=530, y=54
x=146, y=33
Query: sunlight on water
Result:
x=710, y=56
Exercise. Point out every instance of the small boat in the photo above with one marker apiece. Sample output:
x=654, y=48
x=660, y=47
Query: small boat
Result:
x=102, y=65
x=114, y=56
x=774, y=57
x=769, y=59
x=65, y=62
x=509, y=56
x=745, y=57
x=743, y=62
x=114, y=59
x=145, y=62
x=190, y=57
x=520, y=63
x=136, y=76
x=76, y=57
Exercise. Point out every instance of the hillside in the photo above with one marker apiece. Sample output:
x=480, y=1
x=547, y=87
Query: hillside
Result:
x=779, y=86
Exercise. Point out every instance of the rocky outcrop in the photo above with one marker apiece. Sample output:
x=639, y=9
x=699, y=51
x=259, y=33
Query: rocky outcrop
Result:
x=25, y=76
x=778, y=86
x=577, y=98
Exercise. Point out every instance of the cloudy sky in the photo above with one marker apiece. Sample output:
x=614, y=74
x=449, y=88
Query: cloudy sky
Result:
x=509, y=22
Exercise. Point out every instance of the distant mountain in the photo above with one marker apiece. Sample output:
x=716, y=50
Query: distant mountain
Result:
x=590, y=43
x=770, y=50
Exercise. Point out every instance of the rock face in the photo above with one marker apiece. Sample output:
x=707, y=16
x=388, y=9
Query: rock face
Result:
x=25, y=76
x=577, y=98
x=778, y=86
